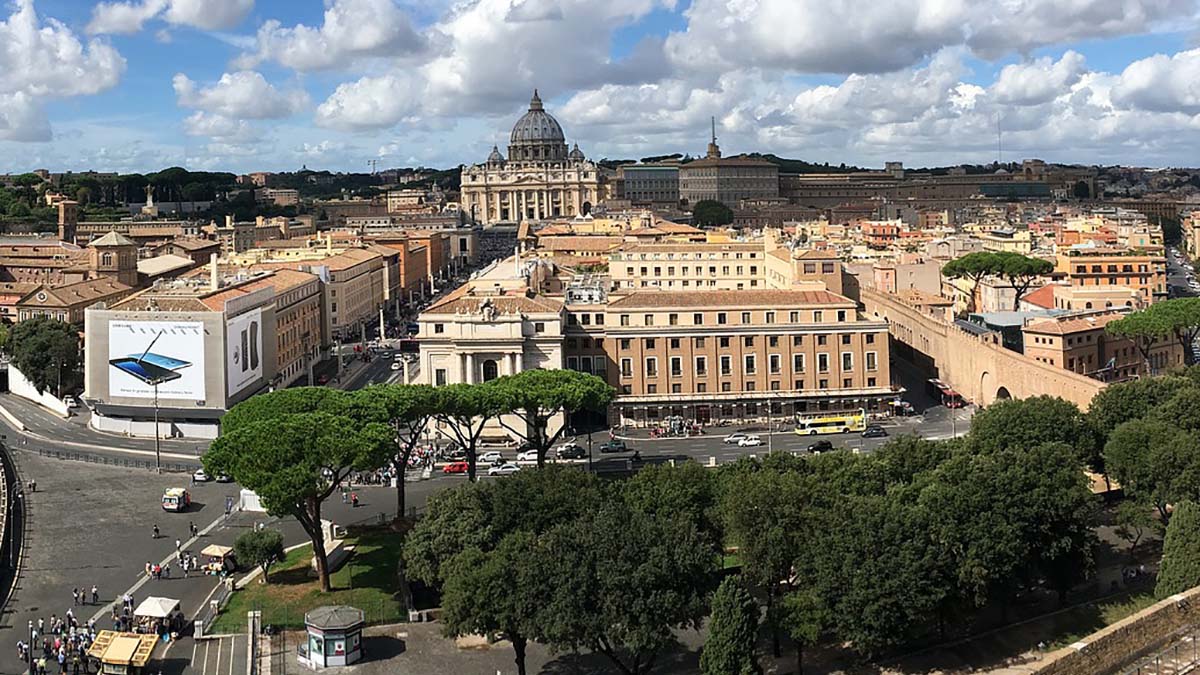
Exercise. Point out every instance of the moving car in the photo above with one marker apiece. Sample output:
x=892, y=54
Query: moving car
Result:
x=750, y=442
x=528, y=456
x=820, y=446
x=503, y=469
x=615, y=445
x=874, y=431
x=397, y=365
x=735, y=438
x=455, y=467
x=200, y=477
x=491, y=456
x=224, y=478
x=571, y=451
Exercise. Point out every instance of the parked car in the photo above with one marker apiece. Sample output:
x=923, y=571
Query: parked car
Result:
x=503, y=469
x=750, y=442
x=455, y=467
x=571, y=451
x=397, y=365
x=566, y=447
x=874, y=431
x=820, y=446
x=200, y=477
x=491, y=457
x=224, y=478
x=528, y=456
x=735, y=438
x=615, y=445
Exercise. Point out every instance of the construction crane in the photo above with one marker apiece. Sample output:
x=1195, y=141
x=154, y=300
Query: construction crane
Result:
x=374, y=164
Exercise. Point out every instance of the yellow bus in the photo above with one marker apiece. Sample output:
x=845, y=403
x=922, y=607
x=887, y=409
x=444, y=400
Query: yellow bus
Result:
x=832, y=423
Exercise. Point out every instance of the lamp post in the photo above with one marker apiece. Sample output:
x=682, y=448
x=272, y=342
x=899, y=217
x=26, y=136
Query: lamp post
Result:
x=30, y=650
x=157, y=455
x=589, y=451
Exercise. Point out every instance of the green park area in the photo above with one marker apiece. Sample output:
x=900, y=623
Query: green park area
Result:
x=367, y=581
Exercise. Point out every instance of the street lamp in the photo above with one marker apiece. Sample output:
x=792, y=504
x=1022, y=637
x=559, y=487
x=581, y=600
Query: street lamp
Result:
x=589, y=451
x=30, y=650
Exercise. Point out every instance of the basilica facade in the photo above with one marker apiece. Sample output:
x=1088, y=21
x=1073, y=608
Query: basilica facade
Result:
x=539, y=179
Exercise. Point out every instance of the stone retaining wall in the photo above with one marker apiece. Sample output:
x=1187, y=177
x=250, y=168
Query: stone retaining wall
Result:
x=1123, y=642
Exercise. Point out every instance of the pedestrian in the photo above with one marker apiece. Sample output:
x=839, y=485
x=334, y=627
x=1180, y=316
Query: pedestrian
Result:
x=95, y=595
x=354, y=500
x=178, y=546
x=193, y=529
x=156, y=530
x=74, y=596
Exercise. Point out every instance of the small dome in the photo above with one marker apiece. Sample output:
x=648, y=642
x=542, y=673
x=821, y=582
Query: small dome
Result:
x=495, y=156
x=576, y=153
x=537, y=125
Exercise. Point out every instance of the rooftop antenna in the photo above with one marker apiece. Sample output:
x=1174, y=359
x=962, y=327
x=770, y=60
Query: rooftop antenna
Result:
x=374, y=164
x=714, y=129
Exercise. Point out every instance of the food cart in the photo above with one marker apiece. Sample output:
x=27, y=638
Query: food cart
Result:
x=122, y=653
x=159, y=616
x=218, y=559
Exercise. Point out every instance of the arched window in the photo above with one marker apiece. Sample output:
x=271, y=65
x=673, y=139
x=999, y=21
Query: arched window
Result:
x=1087, y=306
x=106, y=259
x=490, y=370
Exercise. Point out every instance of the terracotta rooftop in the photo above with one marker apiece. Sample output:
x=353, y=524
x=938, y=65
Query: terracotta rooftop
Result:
x=113, y=238
x=163, y=264
x=744, y=298
x=1042, y=297
x=690, y=247
x=80, y=291
x=1073, y=324
x=194, y=243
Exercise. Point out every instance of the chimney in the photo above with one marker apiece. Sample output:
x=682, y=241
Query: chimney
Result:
x=259, y=221
x=214, y=274
x=229, y=221
x=329, y=242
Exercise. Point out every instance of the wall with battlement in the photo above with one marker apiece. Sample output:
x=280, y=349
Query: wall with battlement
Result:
x=977, y=367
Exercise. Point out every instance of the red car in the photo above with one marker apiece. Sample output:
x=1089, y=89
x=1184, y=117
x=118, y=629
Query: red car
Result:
x=455, y=467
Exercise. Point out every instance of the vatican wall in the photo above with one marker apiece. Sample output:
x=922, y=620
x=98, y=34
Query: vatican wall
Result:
x=978, y=368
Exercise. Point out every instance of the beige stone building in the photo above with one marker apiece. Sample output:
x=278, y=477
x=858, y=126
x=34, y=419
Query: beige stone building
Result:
x=1113, y=275
x=1078, y=342
x=684, y=266
x=539, y=179
x=469, y=338
x=708, y=355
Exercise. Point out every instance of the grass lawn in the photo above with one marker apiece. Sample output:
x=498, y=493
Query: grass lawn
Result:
x=367, y=581
x=1079, y=622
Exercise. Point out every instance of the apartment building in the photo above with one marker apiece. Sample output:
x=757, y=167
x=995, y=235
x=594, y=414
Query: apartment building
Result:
x=684, y=266
x=1080, y=344
x=805, y=269
x=727, y=354
x=1090, y=269
x=297, y=321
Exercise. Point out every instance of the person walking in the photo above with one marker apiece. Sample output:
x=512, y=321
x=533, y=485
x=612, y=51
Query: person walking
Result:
x=74, y=596
x=156, y=530
x=95, y=595
x=193, y=529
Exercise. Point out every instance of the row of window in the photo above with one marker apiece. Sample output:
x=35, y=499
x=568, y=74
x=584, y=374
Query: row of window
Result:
x=649, y=344
x=749, y=364
x=768, y=317
x=750, y=385
x=724, y=255
x=683, y=270
x=1099, y=269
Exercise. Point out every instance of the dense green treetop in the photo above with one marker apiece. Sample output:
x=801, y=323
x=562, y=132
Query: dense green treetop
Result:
x=1180, y=569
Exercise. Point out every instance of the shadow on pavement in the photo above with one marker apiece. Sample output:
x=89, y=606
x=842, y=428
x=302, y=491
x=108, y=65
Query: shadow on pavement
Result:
x=382, y=648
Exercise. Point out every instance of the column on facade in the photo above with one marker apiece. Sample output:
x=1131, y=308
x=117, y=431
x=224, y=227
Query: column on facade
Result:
x=496, y=199
x=472, y=369
x=575, y=201
x=537, y=204
x=505, y=364
x=514, y=365
x=462, y=368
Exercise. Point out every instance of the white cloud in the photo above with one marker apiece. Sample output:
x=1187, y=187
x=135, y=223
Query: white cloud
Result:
x=846, y=36
x=241, y=95
x=201, y=123
x=1161, y=83
x=1040, y=80
x=351, y=30
x=129, y=16
x=45, y=60
x=369, y=103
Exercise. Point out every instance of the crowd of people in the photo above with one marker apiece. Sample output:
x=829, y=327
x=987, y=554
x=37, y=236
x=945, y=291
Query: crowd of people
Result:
x=61, y=641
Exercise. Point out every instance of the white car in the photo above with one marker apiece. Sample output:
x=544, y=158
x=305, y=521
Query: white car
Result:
x=200, y=477
x=503, y=469
x=491, y=456
x=750, y=442
x=528, y=456
x=397, y=365
x=735, y=438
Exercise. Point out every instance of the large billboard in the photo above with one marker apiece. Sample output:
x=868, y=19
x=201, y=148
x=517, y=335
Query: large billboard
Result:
x=243, y=351
x=142, y=354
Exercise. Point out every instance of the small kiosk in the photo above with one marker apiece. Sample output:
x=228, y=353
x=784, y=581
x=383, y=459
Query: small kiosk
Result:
x=159, y=616
x=334, y=637
x=122, y=653
x=218, y=559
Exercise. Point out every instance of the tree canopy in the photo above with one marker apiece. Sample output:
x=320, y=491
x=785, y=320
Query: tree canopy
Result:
x=538, y=396
x=46, y=351
x=1180, y=569
x=259, y=548
x=732, y=632
x=295, y=461
x=711, y=213
x=1019, y=270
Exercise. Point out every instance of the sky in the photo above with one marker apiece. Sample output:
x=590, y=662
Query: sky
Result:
x=273, y=85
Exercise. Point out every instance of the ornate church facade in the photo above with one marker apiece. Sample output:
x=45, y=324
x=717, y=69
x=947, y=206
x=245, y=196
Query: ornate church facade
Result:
x=540, y=179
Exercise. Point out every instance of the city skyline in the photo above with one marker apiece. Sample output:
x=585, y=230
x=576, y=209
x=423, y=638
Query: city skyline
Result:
x=240, y=85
